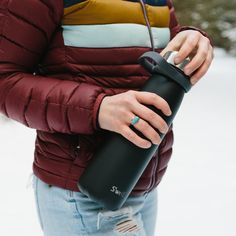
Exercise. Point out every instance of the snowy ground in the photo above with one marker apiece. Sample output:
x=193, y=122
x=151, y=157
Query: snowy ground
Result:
x=197, y=194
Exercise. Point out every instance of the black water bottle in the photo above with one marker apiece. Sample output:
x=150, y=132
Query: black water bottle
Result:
x=118, y=164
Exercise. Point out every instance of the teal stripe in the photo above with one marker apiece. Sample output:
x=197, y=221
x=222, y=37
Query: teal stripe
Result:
x=114, y=35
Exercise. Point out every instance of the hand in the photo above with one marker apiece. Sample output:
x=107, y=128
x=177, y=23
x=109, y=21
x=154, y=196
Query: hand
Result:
x=116, y=112
x=193, y=44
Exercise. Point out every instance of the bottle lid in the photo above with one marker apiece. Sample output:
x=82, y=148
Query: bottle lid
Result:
x=166, y=66
x=170, y=56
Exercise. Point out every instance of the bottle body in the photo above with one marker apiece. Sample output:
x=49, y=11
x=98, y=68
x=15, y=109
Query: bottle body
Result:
x=118, y=164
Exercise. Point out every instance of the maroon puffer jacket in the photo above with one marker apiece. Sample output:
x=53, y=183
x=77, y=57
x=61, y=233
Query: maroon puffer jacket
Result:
x=57, y=90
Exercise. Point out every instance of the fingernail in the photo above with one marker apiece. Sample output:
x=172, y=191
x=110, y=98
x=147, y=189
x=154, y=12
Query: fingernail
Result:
x=149, y=145
x=177, y=60
x=165, y=129
x=187, y=71
x=193, y=80
x=169, y=113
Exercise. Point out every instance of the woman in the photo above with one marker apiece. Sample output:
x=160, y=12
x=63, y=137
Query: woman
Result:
x=69, y=70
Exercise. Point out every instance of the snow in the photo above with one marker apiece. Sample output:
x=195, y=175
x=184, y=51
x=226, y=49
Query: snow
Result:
x=197, y=194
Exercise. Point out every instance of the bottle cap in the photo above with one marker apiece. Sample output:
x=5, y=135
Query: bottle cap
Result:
x=170, y=56
x=166, y=67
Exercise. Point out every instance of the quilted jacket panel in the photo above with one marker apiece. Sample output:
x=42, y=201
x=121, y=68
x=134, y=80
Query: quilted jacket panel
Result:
x=57, y=89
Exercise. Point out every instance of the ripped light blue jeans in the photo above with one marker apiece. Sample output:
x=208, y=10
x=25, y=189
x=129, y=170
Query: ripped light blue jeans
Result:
x=62, y=212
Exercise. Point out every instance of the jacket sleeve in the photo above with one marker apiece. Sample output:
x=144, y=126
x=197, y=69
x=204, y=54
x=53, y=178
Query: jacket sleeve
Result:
x=44, y=103
x=175, y=27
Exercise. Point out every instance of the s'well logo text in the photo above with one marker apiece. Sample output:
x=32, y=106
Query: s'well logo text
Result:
x=115, y=190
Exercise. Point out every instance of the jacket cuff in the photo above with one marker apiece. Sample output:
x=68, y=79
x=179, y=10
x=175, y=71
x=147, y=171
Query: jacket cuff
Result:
x=96, y=110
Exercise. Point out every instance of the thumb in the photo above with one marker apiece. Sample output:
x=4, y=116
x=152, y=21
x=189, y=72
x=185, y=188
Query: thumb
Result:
x=174, y=45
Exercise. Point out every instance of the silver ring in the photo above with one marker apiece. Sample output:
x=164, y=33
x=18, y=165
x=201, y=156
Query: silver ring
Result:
x=135, y=120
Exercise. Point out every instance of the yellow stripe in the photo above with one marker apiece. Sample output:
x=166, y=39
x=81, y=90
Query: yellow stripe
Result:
x=114, y=11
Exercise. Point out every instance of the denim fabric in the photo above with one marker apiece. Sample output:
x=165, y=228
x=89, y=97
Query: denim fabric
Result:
x=62, y=212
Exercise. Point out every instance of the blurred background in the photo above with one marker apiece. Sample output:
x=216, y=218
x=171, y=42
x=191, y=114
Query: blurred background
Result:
x=197, y=194
x=216, y=17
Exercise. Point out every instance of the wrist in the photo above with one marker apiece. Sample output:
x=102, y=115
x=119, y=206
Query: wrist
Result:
x=96, y=110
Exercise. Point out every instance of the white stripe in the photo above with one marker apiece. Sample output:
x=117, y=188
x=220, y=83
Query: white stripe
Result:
x=114, y=35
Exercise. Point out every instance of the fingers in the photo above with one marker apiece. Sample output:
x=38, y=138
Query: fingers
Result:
x=174, y=44
x=199, y=58
x=155, y=100
x=203, y=69
x=149, y=120
x=144, y=127
x=187, y=46
x=148, y=115
x=193, y=44
x=134, y=138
